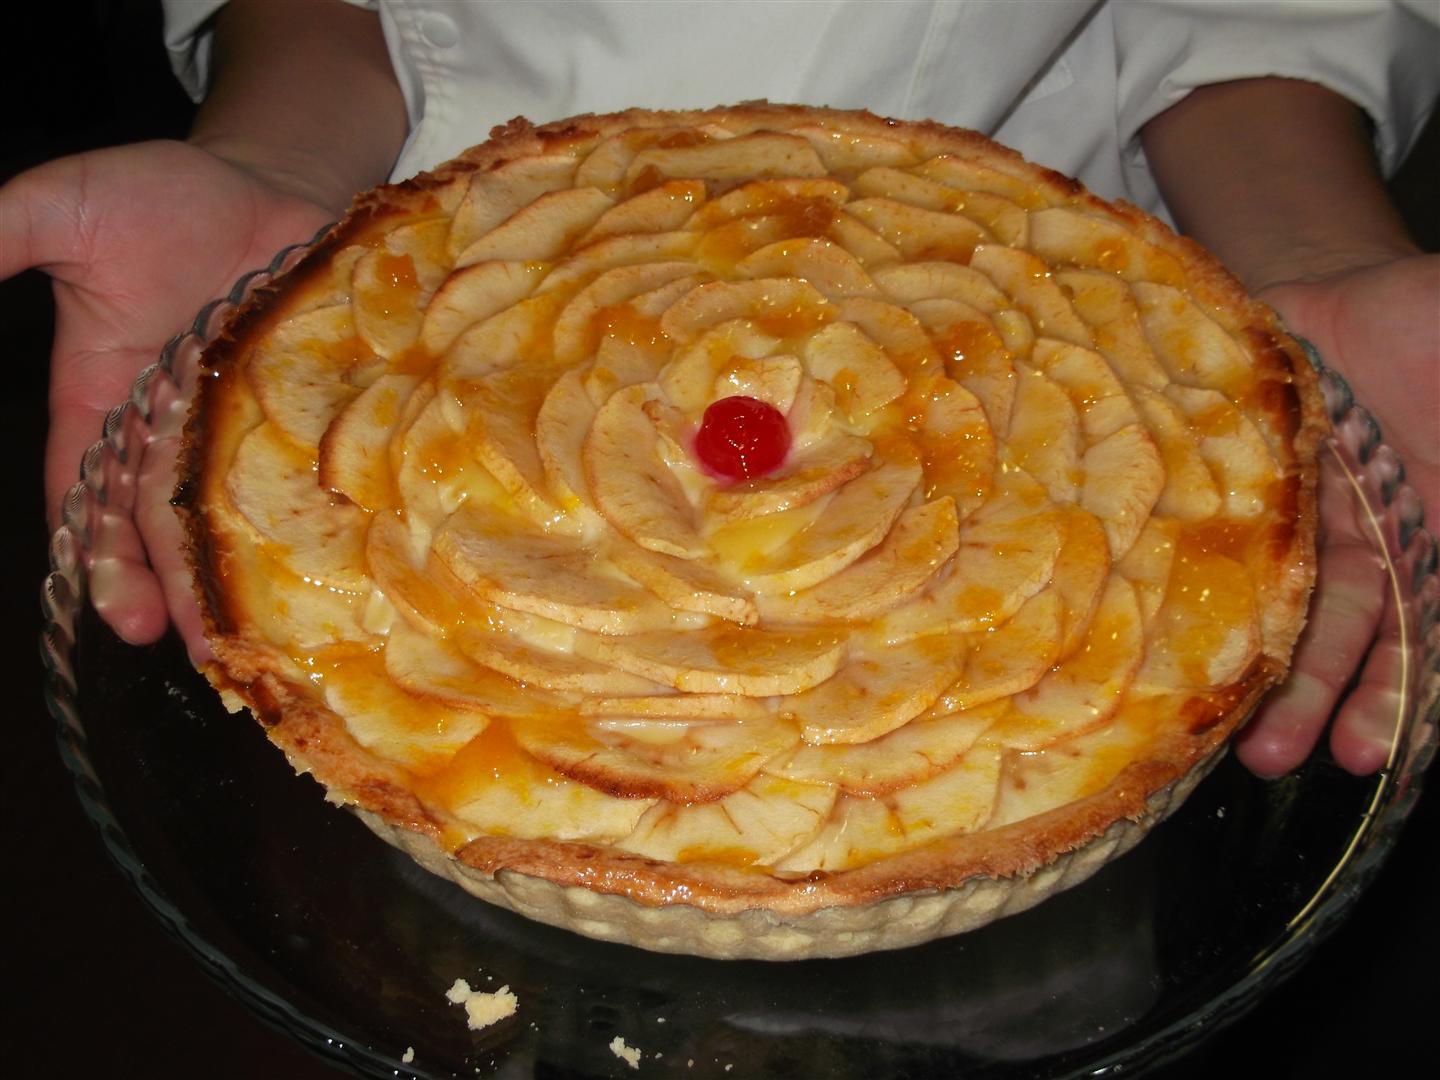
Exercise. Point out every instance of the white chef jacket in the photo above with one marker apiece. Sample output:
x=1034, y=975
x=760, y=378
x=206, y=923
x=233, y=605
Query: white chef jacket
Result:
x=1069, y=83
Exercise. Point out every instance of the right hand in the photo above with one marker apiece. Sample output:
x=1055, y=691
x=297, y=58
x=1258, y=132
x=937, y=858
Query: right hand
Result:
x=136, y=239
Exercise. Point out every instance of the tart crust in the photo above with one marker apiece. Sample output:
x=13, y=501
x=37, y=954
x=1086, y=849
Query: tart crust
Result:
x=717, y=905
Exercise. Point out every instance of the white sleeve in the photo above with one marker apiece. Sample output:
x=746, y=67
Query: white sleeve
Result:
x=1380, y=54
x=188, y=33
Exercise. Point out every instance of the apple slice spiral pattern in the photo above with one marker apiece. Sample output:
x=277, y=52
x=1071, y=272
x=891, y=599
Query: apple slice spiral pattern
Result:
x=1040, y=540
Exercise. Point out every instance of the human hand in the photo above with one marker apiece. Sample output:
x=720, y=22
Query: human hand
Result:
x=136, y=239
x=1377, y=326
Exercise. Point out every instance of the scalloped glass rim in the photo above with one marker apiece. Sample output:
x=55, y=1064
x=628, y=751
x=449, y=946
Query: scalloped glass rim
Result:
x=101, y=501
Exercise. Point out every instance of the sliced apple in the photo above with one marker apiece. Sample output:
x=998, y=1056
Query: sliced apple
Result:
x=542, y=229
x=680, y=706
x=847, y=152
x=605, y=166
x=472, y=294
x=273, y=487
x=438, y=471
x=923, y=538
x=870, y=249
x=999, y=215
x=894, y=329
x=968, y=174
x=401, y=572
x=1190, y=492
x=561, y=424
x=1079, y=575
x=553, y=669
x=823, y=263
x=1100, y=399
x=684, y=585
x=807, y=476
x=1072, y=769
x=812, y=415
x=1060, y=235
x=1083, y=691
x=494, y=195
x=773, y=379
x=924, y=280
x=548, y=575
x=305, y=372
x=631, y=484
x=622, y=362
x=391, y=286
x=1147, y=564
x=1207, y=632
x=626, y=250
x=684, y=760
x=521, y=334
x=906, y=756
x=863, y=377
x=1123, y=480
x=689, y=379
x=1010, y=658
x=920, y=234
x=778, y=306
x=435, y=671
x=288, y=605
x=801, y=197
x=662, y=209
x=491, y=783
x=975, y=354
x=956, y=444
x=1026, y=280
x=861, y=830
x=1233, y=447
x=601, y=307
x=1008, y=549
x=858, y=517
x=872, y=695
x=726, y=660
x=354, y=453
x=502, y=411
x=1108, y=306
x=745, y=157
x=389, y=720
x=1044, y=437
x=754, y=826
x=1193, y=348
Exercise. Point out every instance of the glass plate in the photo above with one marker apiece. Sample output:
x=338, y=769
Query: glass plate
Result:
x=333, y=936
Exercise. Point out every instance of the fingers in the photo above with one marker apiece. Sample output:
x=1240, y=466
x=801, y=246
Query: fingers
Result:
x=139, y=579
x=1346, y=609
x=165, y=541
x=1365, y=729
x=38, y=220
x=1350, y=594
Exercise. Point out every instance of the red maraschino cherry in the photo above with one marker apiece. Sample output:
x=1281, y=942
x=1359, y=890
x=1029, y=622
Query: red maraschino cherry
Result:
x=742, y=437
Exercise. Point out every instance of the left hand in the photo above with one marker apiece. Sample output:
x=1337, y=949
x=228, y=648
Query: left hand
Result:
x=1379, y=327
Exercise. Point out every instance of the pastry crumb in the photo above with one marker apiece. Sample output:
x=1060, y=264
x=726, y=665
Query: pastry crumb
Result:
x=482, y=1009
x=628, y=1054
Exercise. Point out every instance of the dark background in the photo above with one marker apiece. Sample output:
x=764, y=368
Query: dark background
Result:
x=93, y=985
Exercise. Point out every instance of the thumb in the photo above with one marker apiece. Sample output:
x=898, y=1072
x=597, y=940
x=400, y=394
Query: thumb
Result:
x=41, y=221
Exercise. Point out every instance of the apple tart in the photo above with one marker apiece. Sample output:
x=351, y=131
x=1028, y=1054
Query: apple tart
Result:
x=767, y=531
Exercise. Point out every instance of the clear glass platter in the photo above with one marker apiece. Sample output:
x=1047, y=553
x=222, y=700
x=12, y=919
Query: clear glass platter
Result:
x=331, y=935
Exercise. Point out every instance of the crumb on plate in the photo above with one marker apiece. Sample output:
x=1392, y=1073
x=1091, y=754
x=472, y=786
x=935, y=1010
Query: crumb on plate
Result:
x=482, y=1009
x=628, y=1054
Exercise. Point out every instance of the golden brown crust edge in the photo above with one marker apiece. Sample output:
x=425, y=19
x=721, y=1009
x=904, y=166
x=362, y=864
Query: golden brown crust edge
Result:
x=315, y=740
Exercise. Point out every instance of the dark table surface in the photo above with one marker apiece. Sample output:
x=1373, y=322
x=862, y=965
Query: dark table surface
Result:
x=94, y=986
